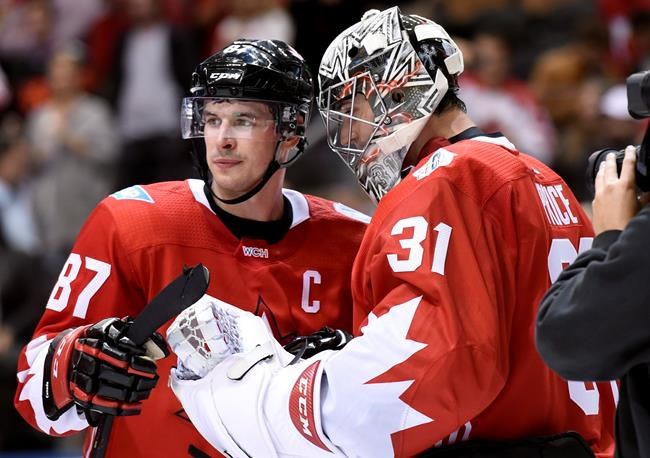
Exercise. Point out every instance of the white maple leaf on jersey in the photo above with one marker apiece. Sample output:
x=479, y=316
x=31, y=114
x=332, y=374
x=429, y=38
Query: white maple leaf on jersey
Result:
x=382, y=346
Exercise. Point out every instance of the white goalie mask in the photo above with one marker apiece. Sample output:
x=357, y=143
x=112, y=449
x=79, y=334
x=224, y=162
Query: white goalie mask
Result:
x=380, y=81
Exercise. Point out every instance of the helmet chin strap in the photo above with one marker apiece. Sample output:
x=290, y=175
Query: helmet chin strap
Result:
x=273, y=167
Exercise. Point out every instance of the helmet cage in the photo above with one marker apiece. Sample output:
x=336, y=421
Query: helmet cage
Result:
x=338, y=106
x=400, y=92
x=403, y=65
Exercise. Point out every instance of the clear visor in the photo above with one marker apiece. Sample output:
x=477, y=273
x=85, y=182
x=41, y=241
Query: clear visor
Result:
x=354, y=116
x=228, y=118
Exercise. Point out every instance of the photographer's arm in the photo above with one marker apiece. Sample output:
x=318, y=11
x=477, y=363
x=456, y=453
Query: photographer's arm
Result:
x=591, y=323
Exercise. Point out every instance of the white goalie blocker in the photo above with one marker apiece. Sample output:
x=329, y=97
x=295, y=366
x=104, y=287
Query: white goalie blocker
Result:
x=234, y=378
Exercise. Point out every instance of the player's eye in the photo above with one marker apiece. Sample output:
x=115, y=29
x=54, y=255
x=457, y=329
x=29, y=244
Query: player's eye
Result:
x=212, y=121
x=243, y=122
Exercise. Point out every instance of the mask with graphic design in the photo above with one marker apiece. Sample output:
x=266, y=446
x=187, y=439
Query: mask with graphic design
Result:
x=380, y=81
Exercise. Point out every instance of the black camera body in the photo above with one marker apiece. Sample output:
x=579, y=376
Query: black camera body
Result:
x=638, y=104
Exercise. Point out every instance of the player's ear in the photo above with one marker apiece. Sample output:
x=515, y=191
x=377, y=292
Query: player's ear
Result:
x=287, y=147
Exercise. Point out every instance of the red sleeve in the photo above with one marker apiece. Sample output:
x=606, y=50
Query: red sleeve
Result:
x=95, y=282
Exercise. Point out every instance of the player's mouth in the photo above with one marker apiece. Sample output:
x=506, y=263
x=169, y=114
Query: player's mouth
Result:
x=224, y=163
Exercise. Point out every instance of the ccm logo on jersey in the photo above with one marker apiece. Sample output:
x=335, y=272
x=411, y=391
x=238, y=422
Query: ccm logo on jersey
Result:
x=301, y=406
x=255, y=252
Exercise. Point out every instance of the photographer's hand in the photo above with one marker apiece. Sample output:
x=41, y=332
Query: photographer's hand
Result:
x=615, y=202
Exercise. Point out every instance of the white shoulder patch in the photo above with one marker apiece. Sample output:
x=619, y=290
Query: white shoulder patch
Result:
x=440, y=158
x=351, y=212
x=133, y=193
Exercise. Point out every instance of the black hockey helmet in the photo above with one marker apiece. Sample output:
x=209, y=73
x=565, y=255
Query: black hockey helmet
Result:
x=268, y=71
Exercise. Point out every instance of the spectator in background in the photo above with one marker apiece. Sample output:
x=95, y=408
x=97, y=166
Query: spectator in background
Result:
x=154, y=61
x=568, y=81
x=5, y=91
x=498, y=101
x=640, y=39
x=74, y=144
x=26, y=42
x=17, y=228
x=617, y=128
x=32, y=31
x=102, y=39
x=255, y=19
x=22, y=282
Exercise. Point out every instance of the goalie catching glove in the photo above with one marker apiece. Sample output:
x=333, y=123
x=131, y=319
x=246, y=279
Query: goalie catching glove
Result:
x=233, y=378
x=100, y=370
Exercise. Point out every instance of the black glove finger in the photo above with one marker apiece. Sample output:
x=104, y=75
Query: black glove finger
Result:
x=137, y=396
x=141, y=365
x=145, y=384
x=84, y=363
x=116, y=377
x=114, y=355
x=87, y=384
x=89, y=401
x=113, y=392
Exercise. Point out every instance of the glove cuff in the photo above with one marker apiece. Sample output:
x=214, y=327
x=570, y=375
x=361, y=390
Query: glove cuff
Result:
x=299, y=387
x=56, y=393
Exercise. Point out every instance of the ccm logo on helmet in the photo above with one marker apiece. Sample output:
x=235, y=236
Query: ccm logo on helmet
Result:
x=225, y=75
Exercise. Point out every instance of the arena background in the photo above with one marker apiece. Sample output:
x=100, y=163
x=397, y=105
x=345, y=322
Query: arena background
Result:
x=549, y=74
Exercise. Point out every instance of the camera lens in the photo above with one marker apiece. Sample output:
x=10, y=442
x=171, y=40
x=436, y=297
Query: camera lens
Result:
x=594, y=161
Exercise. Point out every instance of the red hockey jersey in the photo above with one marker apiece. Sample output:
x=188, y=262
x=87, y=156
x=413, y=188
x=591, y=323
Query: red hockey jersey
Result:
x=138, y=240
x=446, y=288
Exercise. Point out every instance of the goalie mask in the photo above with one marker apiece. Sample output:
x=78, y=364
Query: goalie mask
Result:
x=266, y=71
x=380, y=81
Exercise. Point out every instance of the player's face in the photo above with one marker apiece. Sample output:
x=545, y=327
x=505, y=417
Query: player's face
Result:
x=355, y=131
x=240, y=139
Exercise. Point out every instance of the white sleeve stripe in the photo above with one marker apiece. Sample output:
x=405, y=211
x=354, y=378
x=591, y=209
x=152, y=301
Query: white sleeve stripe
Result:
x=351, y=212
x=22, y=376
x=34, y=348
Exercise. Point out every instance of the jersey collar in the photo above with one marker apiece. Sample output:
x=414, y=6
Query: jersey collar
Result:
x=296, y=211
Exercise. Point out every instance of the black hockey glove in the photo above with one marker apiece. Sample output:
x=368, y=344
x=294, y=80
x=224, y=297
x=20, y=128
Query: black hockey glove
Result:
x=98, y=369
x=324, y=339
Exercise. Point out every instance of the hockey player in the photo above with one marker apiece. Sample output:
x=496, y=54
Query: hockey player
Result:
x=268, y=249
x=468, y=235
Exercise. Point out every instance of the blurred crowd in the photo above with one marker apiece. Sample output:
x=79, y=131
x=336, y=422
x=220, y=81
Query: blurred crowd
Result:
x=90, y=93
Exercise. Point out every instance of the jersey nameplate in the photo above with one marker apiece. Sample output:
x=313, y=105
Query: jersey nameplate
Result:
x=133, y=193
